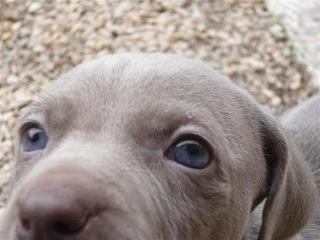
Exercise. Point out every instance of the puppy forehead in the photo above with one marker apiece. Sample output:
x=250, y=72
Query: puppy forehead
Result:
x=133, y=73
x=139, y=85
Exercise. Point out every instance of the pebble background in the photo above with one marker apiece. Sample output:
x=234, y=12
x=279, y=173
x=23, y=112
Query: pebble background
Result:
x=302, y=22
x=41, y=39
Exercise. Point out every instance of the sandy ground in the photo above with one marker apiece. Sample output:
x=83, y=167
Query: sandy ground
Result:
x=42, y=39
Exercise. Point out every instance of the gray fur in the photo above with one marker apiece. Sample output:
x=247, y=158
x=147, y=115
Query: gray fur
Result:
x=303, y=122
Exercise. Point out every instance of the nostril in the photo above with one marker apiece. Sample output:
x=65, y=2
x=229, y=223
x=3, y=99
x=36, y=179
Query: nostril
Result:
x=68, y=227
x=26, y=224
x=64, y=228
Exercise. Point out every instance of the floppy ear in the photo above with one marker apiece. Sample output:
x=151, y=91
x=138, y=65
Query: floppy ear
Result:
x=292, y=192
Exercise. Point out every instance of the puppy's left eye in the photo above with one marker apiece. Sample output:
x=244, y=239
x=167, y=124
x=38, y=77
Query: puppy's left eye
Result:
x=34, y=138
x=192, y=153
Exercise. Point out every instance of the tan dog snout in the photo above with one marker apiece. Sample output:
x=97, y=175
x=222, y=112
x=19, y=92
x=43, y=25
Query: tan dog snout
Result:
x=57, y=204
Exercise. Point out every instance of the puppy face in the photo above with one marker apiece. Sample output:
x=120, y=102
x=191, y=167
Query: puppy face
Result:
x=138, y=146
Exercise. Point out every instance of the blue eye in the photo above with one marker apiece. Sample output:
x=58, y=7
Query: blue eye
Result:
x=190, y=153
x=34, y=139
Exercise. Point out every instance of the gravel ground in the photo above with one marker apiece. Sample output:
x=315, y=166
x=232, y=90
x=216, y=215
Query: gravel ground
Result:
x=42, y=39
x=302, y=22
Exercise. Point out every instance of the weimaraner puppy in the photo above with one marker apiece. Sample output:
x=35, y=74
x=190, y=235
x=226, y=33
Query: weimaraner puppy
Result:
x=154, y=146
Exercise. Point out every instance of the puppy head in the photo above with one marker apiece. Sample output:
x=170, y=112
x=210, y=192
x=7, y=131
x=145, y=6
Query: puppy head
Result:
x=151, y=146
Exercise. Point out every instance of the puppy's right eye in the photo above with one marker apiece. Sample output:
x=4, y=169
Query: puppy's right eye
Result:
x=190, y=152
x=34, y=138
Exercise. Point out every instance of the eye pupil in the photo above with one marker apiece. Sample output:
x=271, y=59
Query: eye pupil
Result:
x=34, y=137
x=193, y=149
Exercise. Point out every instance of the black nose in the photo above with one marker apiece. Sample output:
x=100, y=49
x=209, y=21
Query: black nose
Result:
x=51, y=214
